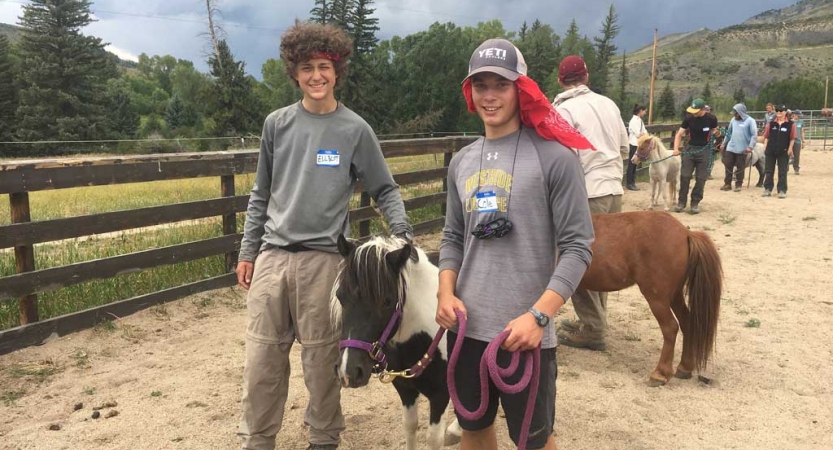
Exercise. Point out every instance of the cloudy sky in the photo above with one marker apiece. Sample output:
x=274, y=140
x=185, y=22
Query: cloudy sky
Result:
x=253, y=27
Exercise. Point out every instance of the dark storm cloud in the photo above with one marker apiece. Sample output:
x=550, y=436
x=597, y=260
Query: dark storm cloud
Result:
x=253, y=27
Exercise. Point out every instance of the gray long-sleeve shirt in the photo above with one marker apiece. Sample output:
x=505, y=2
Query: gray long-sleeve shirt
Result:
x=306, y=173
x=499, y=279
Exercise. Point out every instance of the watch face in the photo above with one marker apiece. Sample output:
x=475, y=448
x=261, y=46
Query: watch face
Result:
x=543, y=320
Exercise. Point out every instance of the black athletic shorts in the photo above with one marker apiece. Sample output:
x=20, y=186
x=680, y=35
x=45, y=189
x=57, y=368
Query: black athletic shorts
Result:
x=467, y=380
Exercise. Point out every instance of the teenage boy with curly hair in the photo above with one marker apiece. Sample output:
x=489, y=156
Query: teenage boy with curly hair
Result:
x=311, y=155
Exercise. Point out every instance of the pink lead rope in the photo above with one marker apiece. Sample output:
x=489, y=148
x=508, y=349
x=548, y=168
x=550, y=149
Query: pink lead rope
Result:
x=490, y=368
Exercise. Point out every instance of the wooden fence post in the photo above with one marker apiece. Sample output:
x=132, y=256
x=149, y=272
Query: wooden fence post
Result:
x=446, y=162
x=24, y=256
x=229, y=220
x=364, y=225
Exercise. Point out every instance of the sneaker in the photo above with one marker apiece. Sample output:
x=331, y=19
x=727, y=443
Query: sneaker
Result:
x=726, y=187
x=797, y=172
x=766, y=193
x=582, y=338
x=695, y=208
x=782, y=195
x=322, y=447
x=737, y=188
x=678, y=207
x=632, y=187
x=570, y=325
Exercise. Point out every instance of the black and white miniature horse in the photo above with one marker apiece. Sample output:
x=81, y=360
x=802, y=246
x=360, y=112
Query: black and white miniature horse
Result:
x=377, y=278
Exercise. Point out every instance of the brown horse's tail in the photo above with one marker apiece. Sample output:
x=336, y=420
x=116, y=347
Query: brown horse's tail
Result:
x=704, y=287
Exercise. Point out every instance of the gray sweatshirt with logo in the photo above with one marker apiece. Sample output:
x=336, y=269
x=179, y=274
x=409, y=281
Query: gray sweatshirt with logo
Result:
x=498, y=279
x=306, y=173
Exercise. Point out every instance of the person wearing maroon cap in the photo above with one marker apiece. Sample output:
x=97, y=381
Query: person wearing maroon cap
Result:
x=597, y=118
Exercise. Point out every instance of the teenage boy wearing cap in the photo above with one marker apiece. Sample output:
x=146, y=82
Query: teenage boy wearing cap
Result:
x=311, y=154
x=506, y=277
x=740, y=139
x=799, y=140
x=779, y=138
x=696, y=159
x=598, y=118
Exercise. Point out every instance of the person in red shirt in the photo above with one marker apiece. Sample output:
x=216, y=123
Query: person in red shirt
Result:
x=779, y=138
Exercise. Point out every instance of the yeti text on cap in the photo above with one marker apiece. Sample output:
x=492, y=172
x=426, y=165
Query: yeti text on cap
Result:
x=493, y=52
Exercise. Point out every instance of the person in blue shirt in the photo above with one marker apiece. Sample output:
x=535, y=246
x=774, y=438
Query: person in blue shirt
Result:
x=740, y=139
x=799, y=140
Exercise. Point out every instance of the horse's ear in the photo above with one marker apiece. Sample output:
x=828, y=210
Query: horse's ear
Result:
x=398, y=258
x=345, y=247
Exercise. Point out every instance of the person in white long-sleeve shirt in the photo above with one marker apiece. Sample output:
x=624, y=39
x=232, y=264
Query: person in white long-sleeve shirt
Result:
x=600, y=121
x=636, y=128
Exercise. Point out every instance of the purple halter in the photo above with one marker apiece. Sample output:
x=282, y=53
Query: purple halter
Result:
x=375, y=349
x=376, y=352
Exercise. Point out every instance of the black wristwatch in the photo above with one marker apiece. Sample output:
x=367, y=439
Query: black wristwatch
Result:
x=540, y=318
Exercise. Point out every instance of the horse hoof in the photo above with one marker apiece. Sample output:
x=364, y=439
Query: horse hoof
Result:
x=682, y=374
x=657, y=382
x=453, y=434
x=451, y=439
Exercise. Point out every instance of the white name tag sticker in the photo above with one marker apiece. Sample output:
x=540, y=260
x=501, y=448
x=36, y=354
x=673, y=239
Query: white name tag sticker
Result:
x=327, y=158
x=784, y=130
x=706, y=130
x=486, y=202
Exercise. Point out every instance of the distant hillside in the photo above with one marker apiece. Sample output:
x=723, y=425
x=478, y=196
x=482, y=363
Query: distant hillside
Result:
x=796, y=41
x=12, y=32
x=804, y=9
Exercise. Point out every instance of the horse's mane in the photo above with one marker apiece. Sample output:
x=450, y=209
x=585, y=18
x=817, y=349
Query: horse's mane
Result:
x=367, y=271
x=658, y=146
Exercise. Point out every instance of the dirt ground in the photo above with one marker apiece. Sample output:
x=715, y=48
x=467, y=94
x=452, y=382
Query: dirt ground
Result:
x=174, y=371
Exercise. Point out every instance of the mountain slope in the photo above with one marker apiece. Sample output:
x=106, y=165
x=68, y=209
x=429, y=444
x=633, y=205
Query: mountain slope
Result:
x=796, y=41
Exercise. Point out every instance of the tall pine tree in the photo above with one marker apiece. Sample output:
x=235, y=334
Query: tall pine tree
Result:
x=233, y=112
x=8, y=95
x=122, y=119
x=605, y=50
x=707, y=93
x=63, y=75
x=541, y=47
x=322, y=12
x=572, y=40
x=623, y=87
x=666, y=106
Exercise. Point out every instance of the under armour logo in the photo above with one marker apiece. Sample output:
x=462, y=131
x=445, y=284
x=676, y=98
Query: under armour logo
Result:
x=491, y=156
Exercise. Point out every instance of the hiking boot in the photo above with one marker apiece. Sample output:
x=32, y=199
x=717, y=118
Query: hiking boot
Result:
x=782, y=195
x=680, y=207
x=570, y=325
x=726, y=187
x=695, y=208
x=737, y=188
x=322, y=447
x=766, y=193
x=632, y=187
x=582, y=338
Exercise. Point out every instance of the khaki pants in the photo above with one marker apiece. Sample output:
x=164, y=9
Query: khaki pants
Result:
x=591, y=306
x=289, y=300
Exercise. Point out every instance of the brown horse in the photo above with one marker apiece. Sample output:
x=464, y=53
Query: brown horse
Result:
x=659, y=254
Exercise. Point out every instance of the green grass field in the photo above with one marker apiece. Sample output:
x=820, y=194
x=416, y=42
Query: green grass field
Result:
x=56, y=204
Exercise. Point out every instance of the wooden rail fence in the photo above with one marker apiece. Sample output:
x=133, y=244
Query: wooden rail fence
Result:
x=19, y=178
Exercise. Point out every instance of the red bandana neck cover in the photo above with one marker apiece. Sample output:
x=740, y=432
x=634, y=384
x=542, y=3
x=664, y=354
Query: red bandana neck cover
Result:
x=537, y=112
